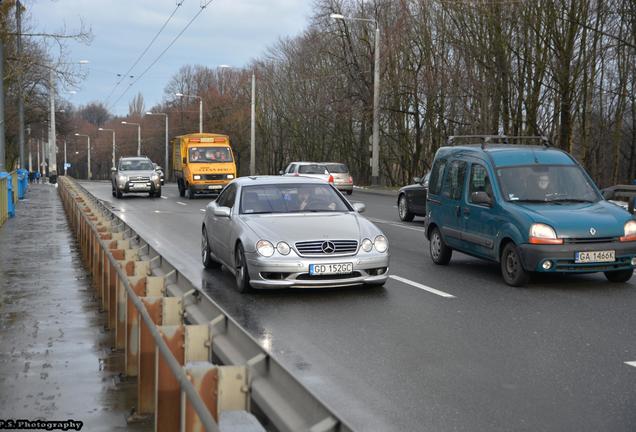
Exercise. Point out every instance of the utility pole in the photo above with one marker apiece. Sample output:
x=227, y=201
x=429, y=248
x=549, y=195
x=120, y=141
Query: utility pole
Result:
x=18, y=19
x=253, y=128
x=2, y=143
x=52, y=140
x=375, y=151
x=65, y=156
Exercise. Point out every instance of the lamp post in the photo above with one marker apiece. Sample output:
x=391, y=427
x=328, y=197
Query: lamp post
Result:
x=165, y=167
x=113, y=131
x=138, y=135
x=200, y=108
x=375, y=149
x=252, y=122
x=52, y=139
x=88, y=145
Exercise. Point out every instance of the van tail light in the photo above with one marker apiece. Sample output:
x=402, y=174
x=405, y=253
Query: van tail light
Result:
x=627, y=238
x=350, y=179
x=330, y=178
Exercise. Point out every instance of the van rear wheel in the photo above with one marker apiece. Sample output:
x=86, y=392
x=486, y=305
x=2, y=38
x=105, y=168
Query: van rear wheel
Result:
x=440, y=252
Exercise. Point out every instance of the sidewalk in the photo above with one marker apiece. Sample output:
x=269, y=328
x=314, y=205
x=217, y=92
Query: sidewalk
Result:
x=56, y=361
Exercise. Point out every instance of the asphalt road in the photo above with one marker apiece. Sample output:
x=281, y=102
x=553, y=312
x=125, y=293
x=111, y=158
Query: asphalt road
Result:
x=437, y=348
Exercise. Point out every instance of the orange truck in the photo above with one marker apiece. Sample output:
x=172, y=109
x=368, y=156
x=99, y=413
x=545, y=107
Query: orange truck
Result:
x=202, y=163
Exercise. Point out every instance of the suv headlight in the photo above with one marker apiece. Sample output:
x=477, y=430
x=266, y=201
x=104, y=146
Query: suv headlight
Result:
x=154, y=176
x=122, y=178
x=230, y=176
x=629, y=231
x=197, y=177
x=381, y=244
x=265, y=248
x=543, y=234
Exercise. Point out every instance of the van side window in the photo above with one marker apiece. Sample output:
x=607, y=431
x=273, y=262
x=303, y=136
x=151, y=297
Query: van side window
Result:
x=437, y=174
x=454, y=180
x=479, y=181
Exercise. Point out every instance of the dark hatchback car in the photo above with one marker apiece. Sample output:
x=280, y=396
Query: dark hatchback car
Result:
x=412, y=199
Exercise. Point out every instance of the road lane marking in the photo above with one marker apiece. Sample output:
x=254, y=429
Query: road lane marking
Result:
x=203, y=210
x=180, y=203
x=396, y=224
x=157, y=211
x=163, y=197
x=632, y=363
x=423, y=287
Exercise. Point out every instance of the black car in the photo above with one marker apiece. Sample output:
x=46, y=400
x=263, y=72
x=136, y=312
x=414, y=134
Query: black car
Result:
x=412, y=199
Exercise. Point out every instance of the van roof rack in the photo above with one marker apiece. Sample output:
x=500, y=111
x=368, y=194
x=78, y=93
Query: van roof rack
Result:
x=498, y=139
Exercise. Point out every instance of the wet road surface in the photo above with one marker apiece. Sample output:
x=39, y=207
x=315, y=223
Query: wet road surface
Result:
x=56, y=361
x=554, y=356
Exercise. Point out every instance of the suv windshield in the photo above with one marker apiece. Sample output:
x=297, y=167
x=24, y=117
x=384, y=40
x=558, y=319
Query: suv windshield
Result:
x=210, y=154
x=337, y=168
x=291, y=198
x=312, y=169
x=546, y=183
x=136, y=165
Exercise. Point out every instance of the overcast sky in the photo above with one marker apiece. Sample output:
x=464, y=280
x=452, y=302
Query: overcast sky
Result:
x=228, y=32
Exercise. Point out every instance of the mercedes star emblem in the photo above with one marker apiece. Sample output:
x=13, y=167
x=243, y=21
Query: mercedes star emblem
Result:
x=328, y=247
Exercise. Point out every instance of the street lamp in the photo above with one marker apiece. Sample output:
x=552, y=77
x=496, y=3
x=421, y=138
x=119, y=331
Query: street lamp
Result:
x=113, y=131
x=138, y=135
x=165, y=167
x=200, y=108
x=375, y=150
x=52, y=138
x=88, y=145
x=252, y=122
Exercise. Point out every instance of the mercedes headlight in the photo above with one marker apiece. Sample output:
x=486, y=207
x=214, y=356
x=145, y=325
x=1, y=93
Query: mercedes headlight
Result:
x=197, y=177
x=265, y=248
x=283, y=248
x=230, y=176
x=381, y=244
x=366, y=245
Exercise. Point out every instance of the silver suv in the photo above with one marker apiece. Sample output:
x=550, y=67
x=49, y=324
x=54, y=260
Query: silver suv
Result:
x=135, y=175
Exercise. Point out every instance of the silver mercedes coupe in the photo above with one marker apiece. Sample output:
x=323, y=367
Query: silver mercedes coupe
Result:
x=292, y=232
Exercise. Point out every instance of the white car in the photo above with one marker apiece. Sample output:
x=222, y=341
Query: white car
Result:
x=308, y=169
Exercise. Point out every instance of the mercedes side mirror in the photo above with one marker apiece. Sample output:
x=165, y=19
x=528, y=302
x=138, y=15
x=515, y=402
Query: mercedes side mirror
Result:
x=417, y=179
x=113, y=169
x=222, y=212
x=281, y=172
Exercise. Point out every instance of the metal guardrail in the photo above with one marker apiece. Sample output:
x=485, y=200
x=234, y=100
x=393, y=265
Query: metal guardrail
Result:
x=197, y=362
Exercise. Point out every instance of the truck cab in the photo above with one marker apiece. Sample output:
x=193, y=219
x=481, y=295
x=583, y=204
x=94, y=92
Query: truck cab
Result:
x=203, y=163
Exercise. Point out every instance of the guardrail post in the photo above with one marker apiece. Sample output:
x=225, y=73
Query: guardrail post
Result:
x=146, y=397
x=168, y=392
x=222, y=388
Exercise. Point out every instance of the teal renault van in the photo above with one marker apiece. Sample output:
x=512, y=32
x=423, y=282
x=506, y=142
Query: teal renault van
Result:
x=531, y=208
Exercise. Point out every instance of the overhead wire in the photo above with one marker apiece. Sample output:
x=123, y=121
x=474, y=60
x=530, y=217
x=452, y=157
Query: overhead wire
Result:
x=123, y=76
x=204, y=5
